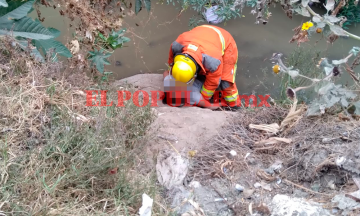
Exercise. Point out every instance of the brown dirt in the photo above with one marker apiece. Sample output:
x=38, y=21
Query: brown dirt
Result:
x=185, y=128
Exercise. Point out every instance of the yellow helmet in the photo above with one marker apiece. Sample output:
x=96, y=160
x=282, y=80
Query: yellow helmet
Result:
x=184, y=69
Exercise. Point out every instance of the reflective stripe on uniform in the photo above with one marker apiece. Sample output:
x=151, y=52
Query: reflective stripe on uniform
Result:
x=220, y=35
x=231, y=98
x=206, y=92
x=235, y=68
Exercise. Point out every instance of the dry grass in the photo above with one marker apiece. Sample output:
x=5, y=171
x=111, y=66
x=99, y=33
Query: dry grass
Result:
x=238, y=137
x=60, y=157
x=307, y=134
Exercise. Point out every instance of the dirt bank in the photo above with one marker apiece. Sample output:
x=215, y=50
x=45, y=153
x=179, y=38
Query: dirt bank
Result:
x=309, y=168
x=185, y=128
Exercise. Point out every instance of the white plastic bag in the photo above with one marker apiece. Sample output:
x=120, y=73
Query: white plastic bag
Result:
x=211, y=17
x=147, y=203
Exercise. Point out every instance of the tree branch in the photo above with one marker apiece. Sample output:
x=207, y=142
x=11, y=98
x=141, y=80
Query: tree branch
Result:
x=338, y=7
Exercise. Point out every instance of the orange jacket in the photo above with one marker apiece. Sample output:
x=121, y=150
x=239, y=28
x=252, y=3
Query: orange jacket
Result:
x=215, y=51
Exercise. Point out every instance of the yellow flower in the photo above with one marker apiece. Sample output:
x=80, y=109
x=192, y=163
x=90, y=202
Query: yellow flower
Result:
x=307, y=25
x=276, y=69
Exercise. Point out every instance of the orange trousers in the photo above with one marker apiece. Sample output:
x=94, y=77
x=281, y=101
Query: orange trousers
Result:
x=222, y=96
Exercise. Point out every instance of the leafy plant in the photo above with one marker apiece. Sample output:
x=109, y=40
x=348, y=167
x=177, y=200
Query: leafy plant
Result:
x=195, y=21
x=3, y=3
x=14, y=21
x=328, y=24
x=114, y=41
x=329, y=94
x=98, y=58
x=139, y=4
x=352, y=13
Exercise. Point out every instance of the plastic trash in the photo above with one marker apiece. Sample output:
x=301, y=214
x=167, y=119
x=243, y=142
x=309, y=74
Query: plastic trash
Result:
x=233, y=153
x=220, y=199
x=194, y=184
x=211, y=17
x=239, y=187
x=171, y=169
x=147, y=203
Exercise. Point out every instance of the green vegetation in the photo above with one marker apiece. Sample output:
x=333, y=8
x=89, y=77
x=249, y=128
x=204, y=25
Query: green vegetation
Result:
x=14, y=21
x=61, y=157
x=329, y=94
x=351, y=12
x=306, y=60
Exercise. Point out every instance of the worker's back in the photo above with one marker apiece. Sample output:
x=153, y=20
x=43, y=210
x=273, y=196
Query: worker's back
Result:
x=207, y=39
x=213, y=45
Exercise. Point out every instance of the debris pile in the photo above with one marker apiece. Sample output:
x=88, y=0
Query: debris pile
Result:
x=275, y=162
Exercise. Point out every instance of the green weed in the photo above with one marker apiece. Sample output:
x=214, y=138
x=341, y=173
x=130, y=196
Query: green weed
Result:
x=305, y=60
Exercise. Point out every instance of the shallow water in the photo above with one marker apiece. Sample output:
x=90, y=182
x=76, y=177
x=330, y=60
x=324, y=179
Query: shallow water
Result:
x=149, y=48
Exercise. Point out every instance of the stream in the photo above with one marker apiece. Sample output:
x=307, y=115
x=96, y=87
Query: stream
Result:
x=154, y=32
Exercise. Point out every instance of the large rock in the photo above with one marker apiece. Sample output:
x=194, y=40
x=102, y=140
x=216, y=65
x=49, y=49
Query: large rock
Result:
x=187, y=128
x=283, y=205
x=347, y=204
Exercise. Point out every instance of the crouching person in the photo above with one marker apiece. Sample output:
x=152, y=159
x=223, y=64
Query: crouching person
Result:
x=205, y=61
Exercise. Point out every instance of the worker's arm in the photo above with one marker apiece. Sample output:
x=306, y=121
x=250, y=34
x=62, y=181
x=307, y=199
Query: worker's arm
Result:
x=211, y=83
x=208, y=89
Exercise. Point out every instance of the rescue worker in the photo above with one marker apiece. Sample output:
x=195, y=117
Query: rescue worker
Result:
x=207, y=56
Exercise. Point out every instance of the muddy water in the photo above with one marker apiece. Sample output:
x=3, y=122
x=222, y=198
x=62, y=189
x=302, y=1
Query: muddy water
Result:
x=154, y=32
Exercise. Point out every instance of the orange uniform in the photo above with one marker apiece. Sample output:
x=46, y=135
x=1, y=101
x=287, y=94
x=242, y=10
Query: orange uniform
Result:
x=215, y=51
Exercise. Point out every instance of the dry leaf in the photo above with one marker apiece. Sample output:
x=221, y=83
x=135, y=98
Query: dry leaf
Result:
x=293, y=115
x=272, y=128
x=343, y=117
x=265, y=186
x=198, y=211
x=263, y=209
x=79, y=92
x=118, y=23
x=299, y=36
x=131, y=13
x=263, y=175
x=75, y=47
